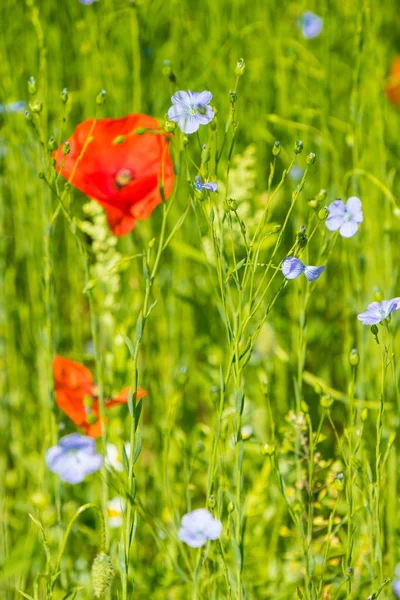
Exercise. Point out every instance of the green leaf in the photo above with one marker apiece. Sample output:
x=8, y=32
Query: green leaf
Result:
x=139, y=327
x=239, y=401
x=138, y=447
x=131, y=404
x=129, y=343
x=26, y=595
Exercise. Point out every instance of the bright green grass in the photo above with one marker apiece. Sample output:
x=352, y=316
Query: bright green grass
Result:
x=291, y=526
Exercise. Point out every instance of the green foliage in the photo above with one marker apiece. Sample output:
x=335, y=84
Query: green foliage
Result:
x=258, y=407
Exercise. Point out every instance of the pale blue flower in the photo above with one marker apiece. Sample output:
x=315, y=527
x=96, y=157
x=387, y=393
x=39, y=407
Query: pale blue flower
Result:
x=13, y=107
x=396, y=583
x=310, y=25
x=379, y=311
x=73, y=458
x=293, y=267
x=190, y=110
x=210, y=185
x=87, y=2
x=345, y=217
x=199, y=526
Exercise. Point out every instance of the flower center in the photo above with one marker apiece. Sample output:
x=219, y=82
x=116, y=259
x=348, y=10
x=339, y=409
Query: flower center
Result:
x=123, y=177
x=347, y=217
x=197, y=108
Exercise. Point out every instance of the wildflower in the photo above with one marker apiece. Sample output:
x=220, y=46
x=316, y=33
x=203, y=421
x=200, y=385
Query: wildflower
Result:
x=393, y=86
x=120, y=163
x=199, y=526
x=74, y=458
x=310, y=25
x=396, y=583
x=87, y=2
x=13, y=107
x=190, y=110
x=113, y=457
x=296, y=173
x=75, y=395
x=345, y=217
x=115, y=510
x=379, y=311
x=293, y=267
x=210, y=185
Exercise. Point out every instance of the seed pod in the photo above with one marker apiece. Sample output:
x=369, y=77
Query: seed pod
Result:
x=298, y=147
x=240, y=67
x=102, y=574
x=354, y=358
x=276, y=148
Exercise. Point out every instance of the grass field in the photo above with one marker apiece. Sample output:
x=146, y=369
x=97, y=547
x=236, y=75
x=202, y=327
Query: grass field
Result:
x=268, y=402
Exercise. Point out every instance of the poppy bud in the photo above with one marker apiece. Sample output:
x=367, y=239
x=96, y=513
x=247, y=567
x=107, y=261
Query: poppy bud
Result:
x=276, y=148
x=51, y=144
x=32, y=86
x=311, y=159
x=101, y=98
x=354, y=358
x=102, y=574
x=240, y=67
x=323, y=214
x=64, y=95
x=66, y=148
x=298, y=147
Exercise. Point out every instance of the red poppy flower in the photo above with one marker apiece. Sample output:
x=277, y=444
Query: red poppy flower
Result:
x=75, y=395
x=121, y=166
x=393, y=86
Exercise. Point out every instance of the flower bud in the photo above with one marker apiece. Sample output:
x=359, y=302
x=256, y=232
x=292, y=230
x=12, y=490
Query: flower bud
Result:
x=88, y=401
x=28, y=115
x=102, y=574
x=322, y=194
x=233, y=205
x=36, y=107
x=377, y=293
x=267, y=449
x=374, y=330
x=231, y=507
x=326, y=401
x=91, y=418
x=64, y=96
x=298, y=147
x=32, y=86
x=276, y=148
x=168, y=72
x=211, y=502
x=41, y=175
x=313, y=203
x=51, y=144
x=233, y=95
x=340, y=481
x=66, y=149
x=101, y=98
x=240, y=67
x=311, y=159
x=354, y=358
x=323, y=213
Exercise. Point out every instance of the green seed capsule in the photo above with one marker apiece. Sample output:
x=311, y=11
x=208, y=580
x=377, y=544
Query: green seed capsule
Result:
x=354, y=357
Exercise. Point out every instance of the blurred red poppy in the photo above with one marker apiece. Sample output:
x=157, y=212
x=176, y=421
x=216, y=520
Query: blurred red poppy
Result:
x=393, y=85
x=120, y=163
x=75, y=395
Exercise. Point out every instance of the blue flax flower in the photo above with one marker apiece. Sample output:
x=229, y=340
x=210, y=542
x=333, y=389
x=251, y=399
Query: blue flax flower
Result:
x=199, y=526
x=74, y=458
x=211, y=185
x=345, y=217
x=87, y=2
x=13, y=107
x=379, y=311
x=190, y=110
x=310, y=25
x=396, y=583
x=293, y=267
